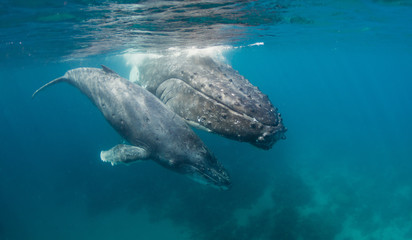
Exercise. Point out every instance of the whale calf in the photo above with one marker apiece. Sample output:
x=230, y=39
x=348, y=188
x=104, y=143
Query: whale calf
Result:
x=212, y=96
x=153, y=131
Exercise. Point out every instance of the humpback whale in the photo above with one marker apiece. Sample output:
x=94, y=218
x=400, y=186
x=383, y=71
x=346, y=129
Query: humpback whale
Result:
x=153, y=131
x=212, y=96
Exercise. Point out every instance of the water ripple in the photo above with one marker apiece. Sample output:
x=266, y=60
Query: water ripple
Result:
x=81, y=28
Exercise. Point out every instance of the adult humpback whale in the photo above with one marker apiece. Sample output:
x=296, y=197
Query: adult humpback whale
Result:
x=214, y=97
x=153, y=131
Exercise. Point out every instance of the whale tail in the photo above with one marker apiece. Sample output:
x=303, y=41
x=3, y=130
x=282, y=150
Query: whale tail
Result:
x=57, y=80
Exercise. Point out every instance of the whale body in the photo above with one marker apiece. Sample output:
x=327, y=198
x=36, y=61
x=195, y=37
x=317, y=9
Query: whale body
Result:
x=214, y=97
x=153, y=131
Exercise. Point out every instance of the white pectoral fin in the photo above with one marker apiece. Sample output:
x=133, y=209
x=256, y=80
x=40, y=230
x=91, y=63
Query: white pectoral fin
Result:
x=123, y=153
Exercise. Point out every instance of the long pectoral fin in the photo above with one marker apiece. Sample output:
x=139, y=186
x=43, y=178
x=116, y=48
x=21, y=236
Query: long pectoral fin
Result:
x=124, y=154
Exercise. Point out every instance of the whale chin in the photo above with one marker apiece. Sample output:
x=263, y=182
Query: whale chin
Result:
x=213, y=175
x=200, y=179
x=266, y=141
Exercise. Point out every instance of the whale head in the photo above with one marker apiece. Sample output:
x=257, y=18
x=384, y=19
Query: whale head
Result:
x=202, y=168
x=213, y=175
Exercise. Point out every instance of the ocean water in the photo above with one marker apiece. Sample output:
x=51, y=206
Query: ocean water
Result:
x=339, y=72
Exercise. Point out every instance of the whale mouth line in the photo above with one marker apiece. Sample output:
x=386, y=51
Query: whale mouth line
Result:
x=210, y=180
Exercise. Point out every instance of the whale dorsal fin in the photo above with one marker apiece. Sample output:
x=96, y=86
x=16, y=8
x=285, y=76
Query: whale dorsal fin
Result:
x=108, y=70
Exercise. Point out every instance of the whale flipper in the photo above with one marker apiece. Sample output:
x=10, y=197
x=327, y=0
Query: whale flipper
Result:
x=123, y=153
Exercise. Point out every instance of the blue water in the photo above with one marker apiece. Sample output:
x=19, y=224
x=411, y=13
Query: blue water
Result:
x=339, y=72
